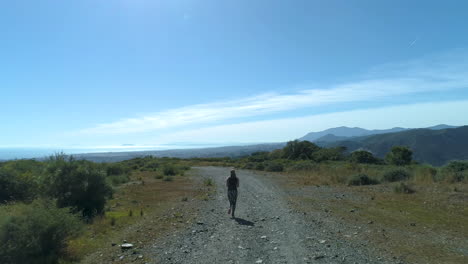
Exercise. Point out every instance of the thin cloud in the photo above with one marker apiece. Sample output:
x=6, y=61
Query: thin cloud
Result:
x=430, y=74
x=284, y=129
x=414, y=41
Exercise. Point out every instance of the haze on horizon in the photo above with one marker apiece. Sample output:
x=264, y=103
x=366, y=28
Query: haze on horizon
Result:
x=158, y=73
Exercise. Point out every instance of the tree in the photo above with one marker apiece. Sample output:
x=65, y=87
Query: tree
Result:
x=77, y=184
x=36, y=232
x=296, y=150
x=399, y=155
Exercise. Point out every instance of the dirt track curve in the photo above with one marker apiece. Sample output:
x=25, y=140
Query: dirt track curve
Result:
x=266, y=230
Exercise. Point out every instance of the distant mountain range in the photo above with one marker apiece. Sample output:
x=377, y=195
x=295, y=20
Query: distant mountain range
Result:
x=340, y=133
x=435, y=145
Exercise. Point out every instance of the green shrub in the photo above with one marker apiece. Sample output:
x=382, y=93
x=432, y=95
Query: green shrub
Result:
x=116, y=169
x=249, y=166
x=274, y=166
x=403, y=188
x=296, y=149
x=457, y=166
x=394, y=175
x=362, y=156
x=258, y=156
x=36, y=232
x=20, y=180
x=168, y=178
x=260, y=166
x=170, y=170
x=208, y=182
x=361, y=179
x=158, y=176
x=303, y=165
x=118, y=179
x=16, y=187
x=399, y=155
x=78, y=184
x=325, y=154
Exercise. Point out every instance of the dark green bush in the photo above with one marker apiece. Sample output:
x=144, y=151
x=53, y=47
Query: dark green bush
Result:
x=303, y=165
x=457, y=166
x=258, y=156
x=36, y=232
x=17, y=187
x=260, y=166
x=274, y=166
x=403, y=188
x=361, y=179
x=362, y=156
x=168, y=178
x=78, y=184
x=116, y=169
x=296, y=149
x=399, y=155
x=394, y=175
x=20, y=180
x=170, y=170
x=325, y=154
x=249, y=166
x=118, y=179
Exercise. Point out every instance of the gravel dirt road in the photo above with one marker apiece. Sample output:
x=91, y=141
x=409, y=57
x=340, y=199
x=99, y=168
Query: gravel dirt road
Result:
x=266, y=230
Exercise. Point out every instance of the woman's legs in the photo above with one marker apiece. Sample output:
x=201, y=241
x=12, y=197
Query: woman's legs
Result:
x=232, y=195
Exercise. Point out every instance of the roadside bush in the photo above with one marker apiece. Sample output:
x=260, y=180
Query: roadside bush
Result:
x=249, y=166
x=399, y=155
x=325, y=154
x=303, y=165
x=36, y=232
x=258, y=156
x=274, y=166
x=20, y=180
x=116, y=169
x=296, y=149
x=394, y=175
x=208, y=182
x=16, y=186
x=168, y=178
x=260, y=166
x=77, y=184
x=403, y=188
x=118, y=179
x=361, y=179
x=362, y=156
x=457, y=166
x=170, y=170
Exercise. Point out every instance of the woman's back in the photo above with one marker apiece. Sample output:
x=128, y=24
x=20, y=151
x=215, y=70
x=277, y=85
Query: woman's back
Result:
x=232, y=183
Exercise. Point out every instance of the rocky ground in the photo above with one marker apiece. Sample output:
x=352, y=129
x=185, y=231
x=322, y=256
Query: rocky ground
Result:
x=268, y=228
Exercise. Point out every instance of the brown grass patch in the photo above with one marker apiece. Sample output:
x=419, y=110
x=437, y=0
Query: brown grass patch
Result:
x=157, y=208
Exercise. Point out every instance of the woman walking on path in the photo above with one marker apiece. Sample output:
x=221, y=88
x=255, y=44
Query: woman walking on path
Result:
x=232, y=184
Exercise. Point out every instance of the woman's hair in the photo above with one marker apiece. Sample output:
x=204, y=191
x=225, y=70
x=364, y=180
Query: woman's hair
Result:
x=233, y=173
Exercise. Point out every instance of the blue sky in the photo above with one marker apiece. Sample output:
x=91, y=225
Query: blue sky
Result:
x=106, y=73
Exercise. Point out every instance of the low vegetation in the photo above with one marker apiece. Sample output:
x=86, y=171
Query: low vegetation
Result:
x=48, y=207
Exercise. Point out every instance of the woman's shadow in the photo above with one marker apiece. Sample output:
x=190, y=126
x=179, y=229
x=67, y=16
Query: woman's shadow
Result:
x=241, y=221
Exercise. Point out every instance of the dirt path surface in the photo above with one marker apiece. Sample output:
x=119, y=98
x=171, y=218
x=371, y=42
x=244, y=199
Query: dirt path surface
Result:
x=266, y=230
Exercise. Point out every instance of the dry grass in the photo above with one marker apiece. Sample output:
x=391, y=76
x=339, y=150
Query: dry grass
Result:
x=428, y=226
x=153, y=204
